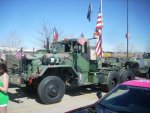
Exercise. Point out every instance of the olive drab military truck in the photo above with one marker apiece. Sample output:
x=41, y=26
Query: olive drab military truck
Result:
x=66, y=63
x=139, y=65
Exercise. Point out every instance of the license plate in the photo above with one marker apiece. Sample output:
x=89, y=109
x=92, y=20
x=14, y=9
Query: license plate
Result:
x=15, y=80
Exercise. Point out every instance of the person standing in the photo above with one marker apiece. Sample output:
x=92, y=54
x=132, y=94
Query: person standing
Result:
x=4, y=81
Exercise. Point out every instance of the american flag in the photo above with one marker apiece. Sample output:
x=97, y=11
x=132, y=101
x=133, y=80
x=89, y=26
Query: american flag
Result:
x=98, y=35
x=19, y=55
x=81, y=40
x=55, y=34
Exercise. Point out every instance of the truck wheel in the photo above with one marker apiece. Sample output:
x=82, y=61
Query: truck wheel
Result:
x=112, y=80
x=51, y=90
x=127, y=75
x=121, y=72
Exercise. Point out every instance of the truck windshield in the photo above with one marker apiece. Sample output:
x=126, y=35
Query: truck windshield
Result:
x=58, y=47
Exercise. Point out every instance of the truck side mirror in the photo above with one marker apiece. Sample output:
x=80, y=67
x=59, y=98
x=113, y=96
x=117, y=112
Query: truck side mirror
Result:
x=99, y=94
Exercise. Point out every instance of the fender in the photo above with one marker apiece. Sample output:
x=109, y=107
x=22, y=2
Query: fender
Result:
x=43, y=69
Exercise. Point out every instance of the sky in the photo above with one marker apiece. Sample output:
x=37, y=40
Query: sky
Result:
x=26, y=17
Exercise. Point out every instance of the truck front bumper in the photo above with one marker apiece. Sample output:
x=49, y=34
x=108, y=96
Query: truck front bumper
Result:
x=16, y=80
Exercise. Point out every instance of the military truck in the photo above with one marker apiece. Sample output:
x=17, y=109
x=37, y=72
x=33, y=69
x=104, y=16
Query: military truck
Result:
x=66, y=64
x=139, y=65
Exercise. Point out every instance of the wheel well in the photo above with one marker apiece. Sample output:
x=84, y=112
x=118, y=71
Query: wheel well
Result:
x=64, y=73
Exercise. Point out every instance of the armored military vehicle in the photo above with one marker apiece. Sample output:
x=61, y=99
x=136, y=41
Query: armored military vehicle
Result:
x=66, y=63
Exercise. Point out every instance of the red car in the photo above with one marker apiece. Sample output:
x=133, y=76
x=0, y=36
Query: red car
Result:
x=129, y=97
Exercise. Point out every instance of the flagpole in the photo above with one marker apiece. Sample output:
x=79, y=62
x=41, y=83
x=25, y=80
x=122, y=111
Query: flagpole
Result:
x=101, y=29
x=101, y=6
x=127, y=35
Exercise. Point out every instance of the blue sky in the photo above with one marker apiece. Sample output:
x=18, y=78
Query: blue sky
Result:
x=25, y=17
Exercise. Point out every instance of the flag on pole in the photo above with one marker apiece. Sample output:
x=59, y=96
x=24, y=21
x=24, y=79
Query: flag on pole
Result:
x=98, y=35
x=19, y=55
x=55, y=34
x=81, y=40
x=89, y=12
x=127, y=35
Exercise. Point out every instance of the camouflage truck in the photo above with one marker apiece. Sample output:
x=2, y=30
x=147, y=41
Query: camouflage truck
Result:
x=139, y=65
x=66, y=64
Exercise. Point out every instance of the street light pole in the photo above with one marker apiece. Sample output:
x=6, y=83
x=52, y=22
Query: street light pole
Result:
x=127, y=35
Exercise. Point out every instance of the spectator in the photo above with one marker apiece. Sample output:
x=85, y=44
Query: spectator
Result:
x=4, y=80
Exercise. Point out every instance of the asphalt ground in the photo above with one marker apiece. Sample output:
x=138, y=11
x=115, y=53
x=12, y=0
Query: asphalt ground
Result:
x=22, y=101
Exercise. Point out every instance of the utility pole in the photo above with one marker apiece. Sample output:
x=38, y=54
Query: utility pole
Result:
x=127, y=34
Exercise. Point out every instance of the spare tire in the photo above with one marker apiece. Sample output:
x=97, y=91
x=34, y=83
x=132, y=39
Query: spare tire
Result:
x=45, y=60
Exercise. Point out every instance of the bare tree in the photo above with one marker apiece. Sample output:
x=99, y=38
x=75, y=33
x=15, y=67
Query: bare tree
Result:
x=132, y=48
x=147, y=48
x=120, y=48
x=14, y=41
x=45, y=33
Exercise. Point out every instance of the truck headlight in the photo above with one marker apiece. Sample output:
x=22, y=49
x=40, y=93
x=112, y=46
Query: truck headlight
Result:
x=52, y=60
x=57, y=60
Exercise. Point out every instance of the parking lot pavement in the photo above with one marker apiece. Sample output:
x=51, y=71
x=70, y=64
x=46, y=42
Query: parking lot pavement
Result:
x=21, y=102
x=24, y=102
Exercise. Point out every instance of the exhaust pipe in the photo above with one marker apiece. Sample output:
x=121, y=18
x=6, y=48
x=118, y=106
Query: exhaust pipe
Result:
x=47, y=45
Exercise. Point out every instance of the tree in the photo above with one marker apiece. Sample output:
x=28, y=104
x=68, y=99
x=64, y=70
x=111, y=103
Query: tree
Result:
x=120, y=48
x=132, y=48
x=147, y=48
x=14, y=41
x=45, y=33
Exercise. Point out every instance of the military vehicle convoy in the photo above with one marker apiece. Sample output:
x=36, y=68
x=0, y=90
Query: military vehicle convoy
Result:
x=66, y=63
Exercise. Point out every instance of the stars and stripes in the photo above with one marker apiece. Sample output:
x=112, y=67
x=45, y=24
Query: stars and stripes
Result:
x=55, y=34
x=98, y=35
x=81, y=40
x=19, y=55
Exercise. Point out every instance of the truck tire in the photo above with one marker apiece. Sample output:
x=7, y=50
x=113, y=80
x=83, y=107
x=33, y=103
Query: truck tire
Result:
x=51, y=90
x=121, y=72
x=112, y=80
x=127, y=75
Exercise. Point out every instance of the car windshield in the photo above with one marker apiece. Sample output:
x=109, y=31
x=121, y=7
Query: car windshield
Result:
x=128, y=98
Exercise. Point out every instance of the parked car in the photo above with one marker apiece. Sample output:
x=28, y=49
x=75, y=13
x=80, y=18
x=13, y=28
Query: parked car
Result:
x=129, y=97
